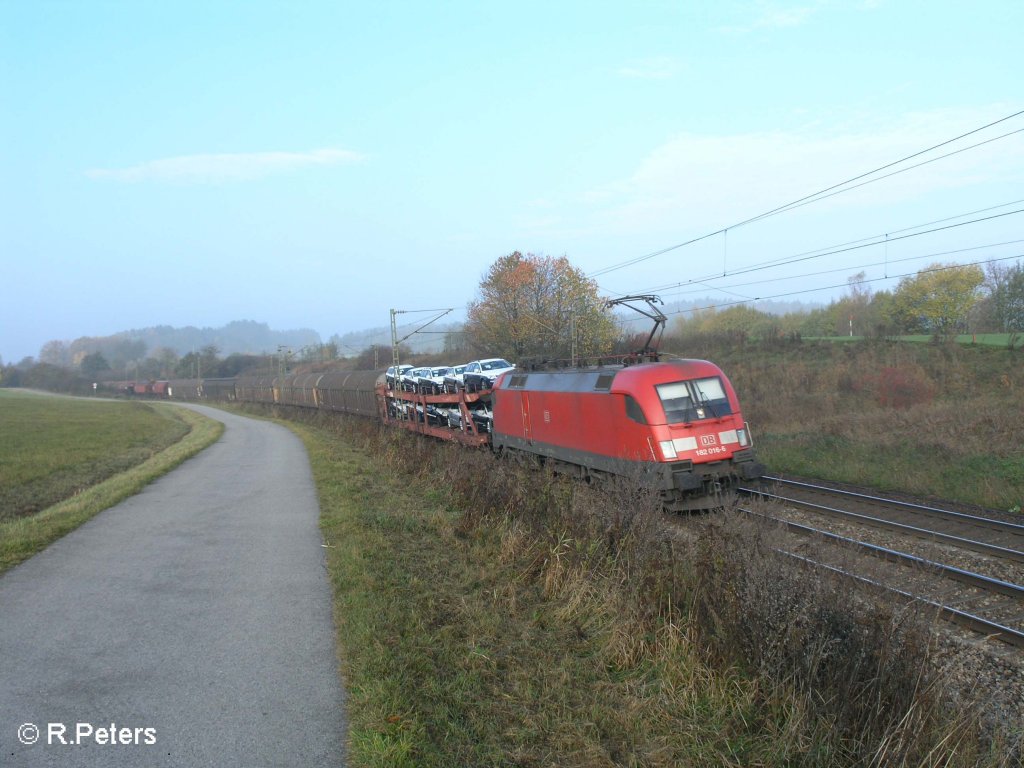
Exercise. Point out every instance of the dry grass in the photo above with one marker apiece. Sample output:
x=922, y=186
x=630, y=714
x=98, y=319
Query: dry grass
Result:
x=933, y=420
x=491, y=615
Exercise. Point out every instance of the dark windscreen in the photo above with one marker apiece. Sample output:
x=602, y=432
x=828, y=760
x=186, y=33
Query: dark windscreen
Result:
x=686, y=401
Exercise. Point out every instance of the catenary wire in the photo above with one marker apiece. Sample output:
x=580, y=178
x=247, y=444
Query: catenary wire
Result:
x=919, y=257
x=818, y=255
x=881, y=238
x=720, y=305
x=871, y=240
x=802, y=200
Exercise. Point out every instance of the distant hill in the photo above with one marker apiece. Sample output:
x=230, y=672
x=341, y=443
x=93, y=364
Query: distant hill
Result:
x=429, y=340
x=238, y=337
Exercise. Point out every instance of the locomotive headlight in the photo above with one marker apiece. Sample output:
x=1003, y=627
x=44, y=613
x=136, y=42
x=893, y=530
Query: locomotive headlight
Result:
x=668, y=449
x=743, y=438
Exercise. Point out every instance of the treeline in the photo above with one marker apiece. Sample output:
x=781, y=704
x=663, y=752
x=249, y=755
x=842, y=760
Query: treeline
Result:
x=544, y=308
x=162, y=365
x=940, y=300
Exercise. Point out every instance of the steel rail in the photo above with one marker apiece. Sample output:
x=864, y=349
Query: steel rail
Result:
x=970, y=578
x=984, y=626
x=971, y=621
x=999, y=525
x=971, y=544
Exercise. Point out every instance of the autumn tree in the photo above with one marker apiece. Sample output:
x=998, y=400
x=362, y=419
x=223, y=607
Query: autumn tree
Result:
x=937, y=299
x=529, y=306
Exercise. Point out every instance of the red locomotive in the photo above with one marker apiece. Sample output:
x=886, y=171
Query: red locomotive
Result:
x=674, y=426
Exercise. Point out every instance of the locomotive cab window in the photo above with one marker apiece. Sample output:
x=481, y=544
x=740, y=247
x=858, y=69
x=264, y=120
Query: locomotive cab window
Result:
x=633, y=410
x=686, y=401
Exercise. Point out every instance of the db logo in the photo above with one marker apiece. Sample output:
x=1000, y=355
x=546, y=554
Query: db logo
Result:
x=708, y=440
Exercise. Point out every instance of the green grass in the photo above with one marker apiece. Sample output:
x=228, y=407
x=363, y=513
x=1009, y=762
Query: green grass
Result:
x=53, y=447
x=64, y=460
x=922, y=469
x=980, y=339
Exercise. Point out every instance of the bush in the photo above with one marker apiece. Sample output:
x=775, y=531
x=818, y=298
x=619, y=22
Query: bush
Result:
x=902, y=387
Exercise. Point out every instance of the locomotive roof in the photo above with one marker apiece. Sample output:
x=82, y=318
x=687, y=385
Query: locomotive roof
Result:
x=606, y=378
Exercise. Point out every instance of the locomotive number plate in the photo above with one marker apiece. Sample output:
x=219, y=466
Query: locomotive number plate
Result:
x=711, y=451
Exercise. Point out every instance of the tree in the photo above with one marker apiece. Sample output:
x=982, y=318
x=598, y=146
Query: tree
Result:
x=94, y=363
x=378, y=356
x=740, y=319
x=188, y=366
x=455, y=344
x=1003, y=307
x=55, y=353
x=122, y=351
x=166, y=358
x=852, y=310
x=529, y=306
x=881, y=315
x=937, y=299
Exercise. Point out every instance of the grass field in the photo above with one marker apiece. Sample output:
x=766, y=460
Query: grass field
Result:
x=54, y=447
x=62, y=460
x=986, y=339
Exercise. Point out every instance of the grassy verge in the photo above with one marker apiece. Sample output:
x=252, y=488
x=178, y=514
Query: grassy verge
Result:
x=23, y=536
x=491, y=616
x=454, y=655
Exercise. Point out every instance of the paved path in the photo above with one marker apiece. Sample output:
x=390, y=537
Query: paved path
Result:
x=198, y=609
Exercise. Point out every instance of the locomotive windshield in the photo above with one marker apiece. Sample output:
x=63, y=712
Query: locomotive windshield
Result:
x=686, y=401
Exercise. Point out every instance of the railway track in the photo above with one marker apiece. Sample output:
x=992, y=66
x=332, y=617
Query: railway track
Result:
x=988, y=536
x=948, y=577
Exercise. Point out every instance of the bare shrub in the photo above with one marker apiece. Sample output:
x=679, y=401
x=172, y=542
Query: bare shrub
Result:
x=902, y=387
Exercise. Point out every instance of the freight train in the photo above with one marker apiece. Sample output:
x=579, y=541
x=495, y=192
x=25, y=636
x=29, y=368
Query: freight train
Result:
x=673, y=426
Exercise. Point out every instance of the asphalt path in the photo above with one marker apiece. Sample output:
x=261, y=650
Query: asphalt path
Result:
x=192, y=621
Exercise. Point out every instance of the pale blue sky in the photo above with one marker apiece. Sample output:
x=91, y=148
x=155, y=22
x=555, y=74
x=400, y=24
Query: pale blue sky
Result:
x=314, y=164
